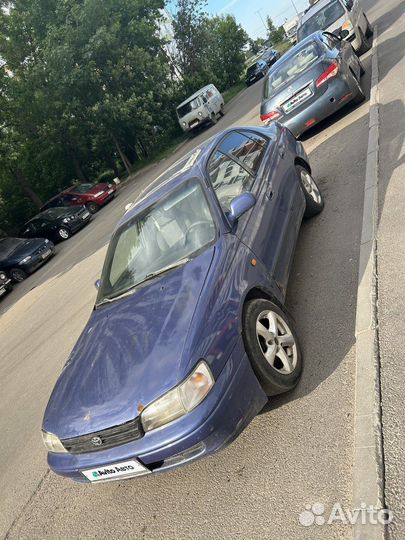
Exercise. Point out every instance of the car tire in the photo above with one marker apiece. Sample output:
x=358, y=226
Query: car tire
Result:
x=369, y=29
x=213, y=119
x=313, y=197
x=365, y=43
x=92, y=207
x=272, y=346
x=360, y=96
x=63, y=233
x=17, y=275
x=221, y=110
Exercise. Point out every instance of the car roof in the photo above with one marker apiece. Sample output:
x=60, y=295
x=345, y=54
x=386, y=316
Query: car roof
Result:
x=313, y=9
x=195, y=159
x=193, y=96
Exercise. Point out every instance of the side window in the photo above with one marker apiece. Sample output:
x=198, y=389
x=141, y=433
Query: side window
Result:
x=229, y=179
x=247, y=148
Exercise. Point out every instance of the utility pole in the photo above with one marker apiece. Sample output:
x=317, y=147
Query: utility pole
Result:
x=258, y=12
x=295, y=7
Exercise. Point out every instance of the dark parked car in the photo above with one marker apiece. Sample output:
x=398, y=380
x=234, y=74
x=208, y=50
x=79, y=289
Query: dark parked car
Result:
x=317, y=77
x=256, y=71
x=20, y=257
x=57, y=224
x=189, y=336
x=271, y=56
x=93, y=196
x=5, y=284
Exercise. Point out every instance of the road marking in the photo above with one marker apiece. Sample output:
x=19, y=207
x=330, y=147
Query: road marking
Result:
x=368, y=467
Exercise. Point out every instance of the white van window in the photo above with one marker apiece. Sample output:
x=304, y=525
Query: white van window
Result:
x=188, y=107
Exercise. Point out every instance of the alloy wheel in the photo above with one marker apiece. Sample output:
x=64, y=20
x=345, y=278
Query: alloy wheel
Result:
x=310, y=186
x=64, y=234
x=277, y=342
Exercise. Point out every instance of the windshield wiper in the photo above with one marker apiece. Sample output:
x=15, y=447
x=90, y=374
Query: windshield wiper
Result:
x=149, y=276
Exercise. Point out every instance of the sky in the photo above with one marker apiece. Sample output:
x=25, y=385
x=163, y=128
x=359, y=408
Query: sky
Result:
x=249, y=12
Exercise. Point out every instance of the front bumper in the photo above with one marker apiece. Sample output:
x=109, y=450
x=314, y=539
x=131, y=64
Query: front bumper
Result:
x=338, y=94
x=234, y=401
x=107, y=197
x=5, y=287
x=78, y=224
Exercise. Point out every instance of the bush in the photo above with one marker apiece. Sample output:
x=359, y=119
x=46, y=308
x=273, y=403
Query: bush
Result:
x=106, y=176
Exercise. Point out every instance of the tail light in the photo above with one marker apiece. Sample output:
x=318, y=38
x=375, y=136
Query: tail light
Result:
x=331, y=72
x=270, y=117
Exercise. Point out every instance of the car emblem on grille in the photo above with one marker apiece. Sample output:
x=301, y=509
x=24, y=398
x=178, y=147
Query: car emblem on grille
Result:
x=97, y=441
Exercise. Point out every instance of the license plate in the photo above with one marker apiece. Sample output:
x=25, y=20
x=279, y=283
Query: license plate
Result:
x=194, y=123
x=125, y=469
x=110, y=191
x=46, y=254
x=85, y=215
x=296, y=100
x=2, y=291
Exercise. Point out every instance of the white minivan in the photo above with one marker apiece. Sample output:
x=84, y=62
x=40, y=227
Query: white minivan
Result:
x=202, y=107
x=345, y=18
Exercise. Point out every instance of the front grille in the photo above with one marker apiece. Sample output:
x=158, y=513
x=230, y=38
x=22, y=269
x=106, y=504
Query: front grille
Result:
x=110, y=437
x=42, y=249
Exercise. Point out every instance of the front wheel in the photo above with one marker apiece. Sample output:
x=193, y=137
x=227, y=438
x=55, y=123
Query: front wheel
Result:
x=63, y=233
x=313, y=197
x=221, y=110
x=213, y=119
x=92, y=207
x=272, y=346
x=17, y=275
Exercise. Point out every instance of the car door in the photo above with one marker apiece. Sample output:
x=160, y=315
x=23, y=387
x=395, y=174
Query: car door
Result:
x=246, y=161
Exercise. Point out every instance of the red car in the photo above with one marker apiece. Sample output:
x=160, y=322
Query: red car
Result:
x=93, y=196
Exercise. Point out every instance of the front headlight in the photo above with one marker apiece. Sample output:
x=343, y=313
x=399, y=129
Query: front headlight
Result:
x=3, y=277
x=98, y=194
x=347, y=26
x=52, y=443
x=179, y=401
x=25, y=260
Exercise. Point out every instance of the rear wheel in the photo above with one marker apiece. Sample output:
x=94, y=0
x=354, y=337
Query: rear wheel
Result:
x=92, y=207
x=18, y=275
x=272, y=346
x=63, y=233
x=361, y=96
x=365, y=43
x=313, y=197
x=369, y=29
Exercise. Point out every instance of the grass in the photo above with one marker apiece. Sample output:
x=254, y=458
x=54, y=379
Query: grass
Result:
x=233, y=91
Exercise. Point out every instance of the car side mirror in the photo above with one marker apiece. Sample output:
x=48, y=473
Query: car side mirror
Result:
x=97, y=284
x=240, y=205
x=344, y=34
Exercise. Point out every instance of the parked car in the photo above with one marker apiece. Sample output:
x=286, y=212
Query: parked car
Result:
x=93, y=196
x=203, y=107
x=189, y=335
x=270, y=57
x=345, y=18
x=57, y=224
x=313, y=80
x=256, y=71
x=20, y=257
x=5, y=284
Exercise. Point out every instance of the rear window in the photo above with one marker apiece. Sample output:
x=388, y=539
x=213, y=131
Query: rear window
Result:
x=321, y=20
x=291, y=68
x=188, y=107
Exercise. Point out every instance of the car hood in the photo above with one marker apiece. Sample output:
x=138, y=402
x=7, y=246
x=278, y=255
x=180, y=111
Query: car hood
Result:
x=337, y=25
x=25, y=248
x=97, y=188
x=129, y=354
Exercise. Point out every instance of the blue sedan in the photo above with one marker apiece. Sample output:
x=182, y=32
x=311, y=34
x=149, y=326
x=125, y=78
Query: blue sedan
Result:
x=189, y=336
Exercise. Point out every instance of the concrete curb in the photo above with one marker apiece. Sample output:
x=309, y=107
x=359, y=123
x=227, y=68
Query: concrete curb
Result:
x=368, y=466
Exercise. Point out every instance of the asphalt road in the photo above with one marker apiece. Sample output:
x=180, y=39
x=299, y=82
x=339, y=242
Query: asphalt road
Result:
x=297, y=452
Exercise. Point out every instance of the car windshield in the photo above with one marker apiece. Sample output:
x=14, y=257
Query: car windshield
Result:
x=8, y=245
x=54, y=213
x=188, y=107
x=321, y=20
x=291, y=68
x=82, y=188
x=163, y=236
x=252, y=69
